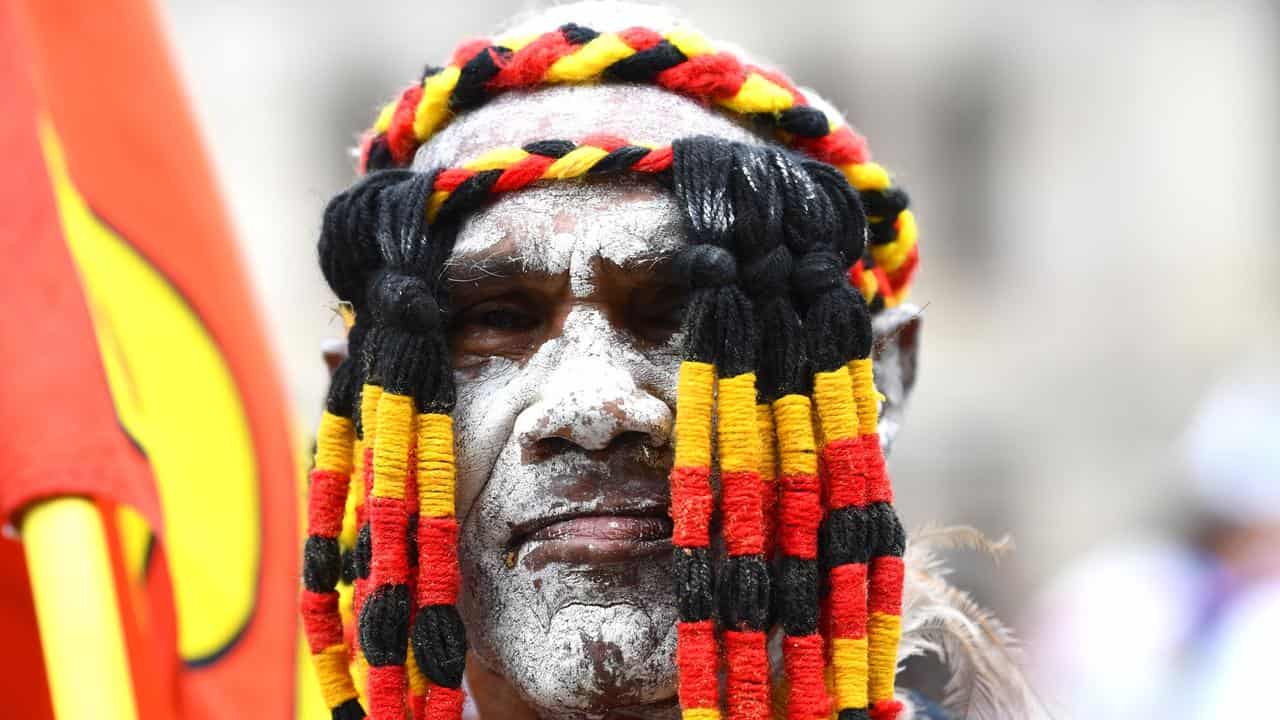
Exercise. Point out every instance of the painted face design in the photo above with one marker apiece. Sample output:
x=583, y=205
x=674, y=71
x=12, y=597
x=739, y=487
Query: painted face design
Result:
x=565, y=349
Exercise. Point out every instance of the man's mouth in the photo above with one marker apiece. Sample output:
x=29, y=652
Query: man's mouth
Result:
x=597, y=538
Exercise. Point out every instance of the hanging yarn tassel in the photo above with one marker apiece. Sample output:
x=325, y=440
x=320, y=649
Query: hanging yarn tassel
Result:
x=826, y=221
x=891, y=236
x=322, y=564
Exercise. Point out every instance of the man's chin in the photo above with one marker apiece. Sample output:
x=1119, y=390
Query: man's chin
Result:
x=593, y=660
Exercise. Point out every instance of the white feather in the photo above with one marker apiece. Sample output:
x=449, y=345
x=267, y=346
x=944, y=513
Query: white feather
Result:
x=987, y=681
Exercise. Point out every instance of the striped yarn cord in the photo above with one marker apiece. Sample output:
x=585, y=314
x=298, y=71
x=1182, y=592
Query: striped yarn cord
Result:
x=884, y=602
x=679, y=60
x=438, y=579
x=799, y=516
x=384, y=619
x=322, y=621
x=845, y=542
x=697, y=651
x=746, y=580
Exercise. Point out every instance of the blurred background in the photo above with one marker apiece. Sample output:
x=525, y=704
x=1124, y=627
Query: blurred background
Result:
x=1095, y=183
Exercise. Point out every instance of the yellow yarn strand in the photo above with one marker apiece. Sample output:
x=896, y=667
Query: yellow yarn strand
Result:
x=736, y=423
x=417, y=680
x=870, y=285
x=689, y=42
x=700, y=714
x=355, y=497
x=387, y=112
x=590, y=60
x=835, y=404
x=849, y=672
x=434, y=203
x=759, y=94
x=436, y=469
x=865, y=397
x=793, y=415
x=433, y=107
x=497, y=159
x=695, y=391
x=334, y=440
x=336, y=685
x=884, y=631
x=867, y=176
x=391, y=445
x=890, y=256
x=369, y=395
x=768, y=443
x=575, y=163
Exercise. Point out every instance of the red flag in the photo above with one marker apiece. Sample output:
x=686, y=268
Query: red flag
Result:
x=136, y=369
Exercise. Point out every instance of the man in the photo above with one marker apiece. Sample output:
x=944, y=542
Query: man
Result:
x=577, y=312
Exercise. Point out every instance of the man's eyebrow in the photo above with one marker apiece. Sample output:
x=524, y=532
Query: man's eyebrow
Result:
x=492, y=266
x=649, y=259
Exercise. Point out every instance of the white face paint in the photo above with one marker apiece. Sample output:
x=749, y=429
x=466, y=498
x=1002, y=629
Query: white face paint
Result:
x=576, y=427
x=563, y=427
x=578, y=616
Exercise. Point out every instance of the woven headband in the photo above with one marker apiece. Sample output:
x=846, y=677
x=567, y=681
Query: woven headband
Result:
x=683, y=62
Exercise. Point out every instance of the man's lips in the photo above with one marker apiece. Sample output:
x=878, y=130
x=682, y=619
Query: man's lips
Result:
x=594, y=538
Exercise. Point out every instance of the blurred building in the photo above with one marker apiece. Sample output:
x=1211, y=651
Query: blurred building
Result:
x=1094, y=181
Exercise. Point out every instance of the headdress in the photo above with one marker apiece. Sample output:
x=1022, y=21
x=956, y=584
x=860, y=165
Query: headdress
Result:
x=791, y=248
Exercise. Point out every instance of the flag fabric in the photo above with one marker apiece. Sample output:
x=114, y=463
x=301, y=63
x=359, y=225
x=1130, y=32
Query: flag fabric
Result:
x=136, y=370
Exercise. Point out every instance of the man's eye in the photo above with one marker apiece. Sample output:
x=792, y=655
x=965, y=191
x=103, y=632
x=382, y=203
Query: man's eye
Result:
x=504, y=318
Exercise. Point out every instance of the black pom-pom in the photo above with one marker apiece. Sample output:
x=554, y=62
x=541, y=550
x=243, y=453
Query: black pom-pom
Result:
x=321, y=563
x=798, y=595
x=705, y=266
x=440, y=644
x=744, y=593
x=695, y=581
x=770, y=274
x=349, y=710
x=406, y=302
x=348, y=249
x=363, y=553
x=384, y=625
x=817, y=273
x=854, y=714
x=846, y=537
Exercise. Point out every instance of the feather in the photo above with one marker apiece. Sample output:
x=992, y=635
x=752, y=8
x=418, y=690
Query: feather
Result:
x=987, y=681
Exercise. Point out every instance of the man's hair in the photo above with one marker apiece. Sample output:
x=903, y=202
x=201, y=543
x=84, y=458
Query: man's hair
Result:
x=791, y=248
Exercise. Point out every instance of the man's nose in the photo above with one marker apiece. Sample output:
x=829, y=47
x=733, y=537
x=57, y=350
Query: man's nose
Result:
x=591, y=399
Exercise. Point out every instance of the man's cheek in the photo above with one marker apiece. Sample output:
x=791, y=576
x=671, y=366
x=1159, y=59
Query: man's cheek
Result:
x=487, y=405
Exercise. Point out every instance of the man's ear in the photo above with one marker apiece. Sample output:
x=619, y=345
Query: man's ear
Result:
x=896, y=333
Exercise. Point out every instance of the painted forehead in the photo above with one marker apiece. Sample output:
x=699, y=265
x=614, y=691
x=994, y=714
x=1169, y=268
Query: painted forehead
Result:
x=555, y=227
x=566, y=227
x=638, y=113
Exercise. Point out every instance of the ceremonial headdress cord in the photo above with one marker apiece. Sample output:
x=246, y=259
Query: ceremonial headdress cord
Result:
x=777, y=364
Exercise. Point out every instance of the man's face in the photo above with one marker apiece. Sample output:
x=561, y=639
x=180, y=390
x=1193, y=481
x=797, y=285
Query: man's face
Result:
x=565, y=349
